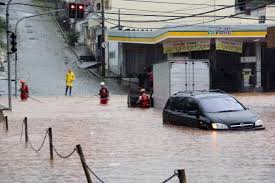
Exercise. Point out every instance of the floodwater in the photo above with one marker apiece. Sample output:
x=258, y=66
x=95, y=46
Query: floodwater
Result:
x=131, y=145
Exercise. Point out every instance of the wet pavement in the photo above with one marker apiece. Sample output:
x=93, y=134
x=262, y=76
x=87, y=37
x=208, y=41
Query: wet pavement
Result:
x=131, y=145
x=44, y=58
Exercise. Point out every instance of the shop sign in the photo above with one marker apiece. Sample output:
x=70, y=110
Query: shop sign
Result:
x=215, y=31
x=248, y=59
x=227, y=45
x=185, y=46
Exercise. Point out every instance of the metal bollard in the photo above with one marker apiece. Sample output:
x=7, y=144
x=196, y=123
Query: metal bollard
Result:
x=26, y=129
x=51, y=143
x=7, y=123
x=181, y=175
x=82, y=159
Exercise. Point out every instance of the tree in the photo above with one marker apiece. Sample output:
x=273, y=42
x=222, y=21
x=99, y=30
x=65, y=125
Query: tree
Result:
x=72, y=37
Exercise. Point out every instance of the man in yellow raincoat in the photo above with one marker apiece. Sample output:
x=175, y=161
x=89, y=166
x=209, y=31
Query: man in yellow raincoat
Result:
x=70, y=77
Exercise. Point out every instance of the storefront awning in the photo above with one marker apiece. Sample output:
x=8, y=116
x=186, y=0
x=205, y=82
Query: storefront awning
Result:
x=202, y=31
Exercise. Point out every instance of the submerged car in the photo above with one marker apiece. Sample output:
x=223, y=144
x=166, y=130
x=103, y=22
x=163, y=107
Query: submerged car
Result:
x=214, y=110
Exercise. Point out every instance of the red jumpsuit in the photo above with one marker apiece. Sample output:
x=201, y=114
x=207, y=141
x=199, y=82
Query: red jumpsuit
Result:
x=144, y=101
x=24, y=92
x=104, y=94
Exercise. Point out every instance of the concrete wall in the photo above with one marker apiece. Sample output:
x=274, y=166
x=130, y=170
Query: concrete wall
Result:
x=114, y=57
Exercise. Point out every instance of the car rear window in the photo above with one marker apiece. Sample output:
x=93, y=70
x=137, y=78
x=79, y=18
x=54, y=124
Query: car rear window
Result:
x=221, y=104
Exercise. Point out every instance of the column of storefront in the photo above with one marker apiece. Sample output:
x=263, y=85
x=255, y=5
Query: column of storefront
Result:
x=258, y=66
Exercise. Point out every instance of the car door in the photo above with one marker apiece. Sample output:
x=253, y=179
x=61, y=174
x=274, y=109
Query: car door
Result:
x=173, y=113
x=192, y=113
x=170, y=111
x=167, y=112
x=178, y=111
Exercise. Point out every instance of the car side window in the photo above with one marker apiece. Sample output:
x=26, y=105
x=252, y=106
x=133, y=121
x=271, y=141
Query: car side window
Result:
x=173, y=104
x=180, y=105
x=191, y=105
x=168, y=104
x=177, y=104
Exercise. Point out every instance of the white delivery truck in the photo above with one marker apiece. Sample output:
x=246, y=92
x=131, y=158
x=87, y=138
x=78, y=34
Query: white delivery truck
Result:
x=179, y=75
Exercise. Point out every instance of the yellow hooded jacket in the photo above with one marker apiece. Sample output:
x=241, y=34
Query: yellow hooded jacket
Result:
x=70, y=77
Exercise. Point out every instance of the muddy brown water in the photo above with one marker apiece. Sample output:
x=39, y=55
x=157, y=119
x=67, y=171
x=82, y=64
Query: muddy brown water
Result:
x=131, y=145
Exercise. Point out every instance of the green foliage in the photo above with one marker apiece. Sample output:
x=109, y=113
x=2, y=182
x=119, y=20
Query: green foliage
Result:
x=72, y=37
x=2, y=32
x=2, y=25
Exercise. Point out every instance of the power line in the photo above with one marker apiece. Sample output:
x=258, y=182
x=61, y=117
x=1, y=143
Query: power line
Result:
x=175, y=3
x=188, y=16
x=203, y=16
x=221, y=18
x=170, y=11
x=173, y=12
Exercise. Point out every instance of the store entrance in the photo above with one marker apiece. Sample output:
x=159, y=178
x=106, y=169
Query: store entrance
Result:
x=249, y=77
x=226, y=71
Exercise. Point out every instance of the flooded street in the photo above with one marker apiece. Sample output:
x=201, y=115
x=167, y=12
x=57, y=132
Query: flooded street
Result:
x=131, y=145
x=120, y=144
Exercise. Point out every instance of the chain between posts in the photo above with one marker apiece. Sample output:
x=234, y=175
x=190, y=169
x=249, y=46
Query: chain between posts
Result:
x=64, y=157
x=94, y=174
x=179, y=173
x=41, y=144
x=172, y=176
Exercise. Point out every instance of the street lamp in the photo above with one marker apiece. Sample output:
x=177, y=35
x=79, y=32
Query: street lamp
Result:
x=8, y=54
x=102, y=49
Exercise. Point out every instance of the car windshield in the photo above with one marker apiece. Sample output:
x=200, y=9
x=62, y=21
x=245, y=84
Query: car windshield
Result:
x=221, y=104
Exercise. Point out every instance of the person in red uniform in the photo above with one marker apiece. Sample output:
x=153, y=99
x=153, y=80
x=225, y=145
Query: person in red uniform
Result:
x=24, y=90
x=104, y=94
x=144, y=99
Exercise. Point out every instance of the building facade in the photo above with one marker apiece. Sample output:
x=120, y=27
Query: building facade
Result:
x=140, y=34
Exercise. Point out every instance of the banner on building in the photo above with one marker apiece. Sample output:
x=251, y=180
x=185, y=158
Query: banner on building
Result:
x=185, y=46
x=228, y=45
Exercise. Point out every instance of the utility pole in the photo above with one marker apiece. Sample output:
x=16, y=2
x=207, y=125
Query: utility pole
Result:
x=214, y=11
x=119, y=26
x=102, y=48
x=8, y=54
x=56, y=8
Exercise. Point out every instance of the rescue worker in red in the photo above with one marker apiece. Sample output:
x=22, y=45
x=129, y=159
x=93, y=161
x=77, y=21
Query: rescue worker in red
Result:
x=103, y=93
x=144, y=99
x=24, y=89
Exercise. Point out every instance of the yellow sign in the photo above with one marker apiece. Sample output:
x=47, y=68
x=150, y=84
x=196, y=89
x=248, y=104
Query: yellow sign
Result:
x=185, y=46
x=227, y=45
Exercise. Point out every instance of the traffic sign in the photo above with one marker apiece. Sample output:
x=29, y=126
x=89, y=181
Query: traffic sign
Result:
x=104, y=45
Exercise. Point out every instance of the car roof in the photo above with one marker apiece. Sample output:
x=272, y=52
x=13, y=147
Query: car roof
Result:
x=201, y=94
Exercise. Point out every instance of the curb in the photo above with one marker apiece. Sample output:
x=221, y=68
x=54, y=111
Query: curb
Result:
x=63, y=34
x=93, y=73
x=78, y=58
